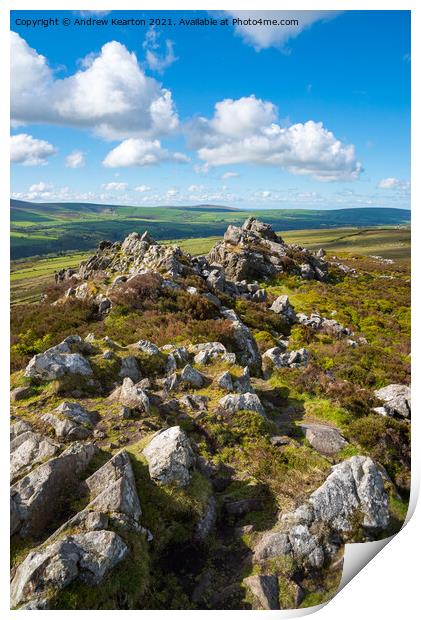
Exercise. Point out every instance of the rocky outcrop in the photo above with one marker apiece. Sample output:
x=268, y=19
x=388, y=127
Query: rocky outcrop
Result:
x=87, y=557
x=170, y=457
x=113, y=499
x=353, y=495
x=36, y=497
x=282, y=305
x=318, y=322
x=242, y=402
x=206, y=352
x=137, y=254
x=255, y=251
x=396, y=399
x=64, y=358
x=279, y=358
x=70, y=421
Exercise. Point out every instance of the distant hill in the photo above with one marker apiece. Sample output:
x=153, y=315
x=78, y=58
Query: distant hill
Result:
x=44, y=228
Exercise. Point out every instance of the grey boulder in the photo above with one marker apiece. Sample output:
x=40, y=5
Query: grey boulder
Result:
x=325, y=439
x=132, y=396
x=264, y=589
x=57, y=362
x=396, y=399
x=242, y=402
x=192, y=376
x=170, y=457
x=88, y=557
x=29, y=449
x=282, y=305
x=129, y=368
x=35, y=497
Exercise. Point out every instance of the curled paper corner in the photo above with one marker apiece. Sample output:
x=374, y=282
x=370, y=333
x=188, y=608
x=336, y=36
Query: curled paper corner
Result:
x=358, y=555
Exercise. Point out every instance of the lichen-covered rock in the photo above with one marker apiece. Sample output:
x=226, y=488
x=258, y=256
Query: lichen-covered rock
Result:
x=192, y=376
x=242, y=402
x=70, y=421
x=354, y=484
x=112, y=488
x=195, y=402
x=248, y=353
x=88, y=557
x=170, y=457
x=66, y=429
x=18, y=428
x=129, y=368
x=396, y=399
x=146, y=346
x=242, y=383
x=29, y=449
x=207, y=520
x=36, y=497
x=279, y=358
x=282, y=305
x=311, y=534
x=254, y=251
x=265, y=590
x=325, y=439
x=20, y=393
x=60, y=360
x=75, y=412
x=224, y=381
x=318, y=322
x=131, y=396
x=205, y=352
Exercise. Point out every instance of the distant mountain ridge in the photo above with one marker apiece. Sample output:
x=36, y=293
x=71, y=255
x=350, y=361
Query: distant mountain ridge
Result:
x=43, y=228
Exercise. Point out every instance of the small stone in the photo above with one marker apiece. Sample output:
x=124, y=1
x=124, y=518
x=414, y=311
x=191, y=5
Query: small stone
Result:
x=20, y=393
x=225, y=381
x=192, y=376
x=265, y=589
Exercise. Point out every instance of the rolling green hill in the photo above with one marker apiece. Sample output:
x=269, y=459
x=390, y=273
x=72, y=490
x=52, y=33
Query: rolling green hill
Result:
x=45, y=228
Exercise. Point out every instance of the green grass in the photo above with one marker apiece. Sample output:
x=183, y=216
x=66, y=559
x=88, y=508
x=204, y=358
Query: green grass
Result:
x=39, y=228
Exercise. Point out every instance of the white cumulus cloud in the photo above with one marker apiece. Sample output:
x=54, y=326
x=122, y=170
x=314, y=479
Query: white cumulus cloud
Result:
x=40, y=187
x=138, y=152
x=392, y=183
x=29, y=151
x=142, y=188
x=230, y=175
x=115, y=187
x=110, y=94
x=76, y=159
x=262, y=36
x=245, y=131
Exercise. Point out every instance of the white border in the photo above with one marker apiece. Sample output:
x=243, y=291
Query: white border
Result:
x=367, y=595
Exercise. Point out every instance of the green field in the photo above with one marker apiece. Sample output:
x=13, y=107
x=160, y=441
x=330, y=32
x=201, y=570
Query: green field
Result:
x=30, y=276
x=40, y=229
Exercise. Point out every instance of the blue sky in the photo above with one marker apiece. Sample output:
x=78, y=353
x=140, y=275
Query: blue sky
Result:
x=314, y=116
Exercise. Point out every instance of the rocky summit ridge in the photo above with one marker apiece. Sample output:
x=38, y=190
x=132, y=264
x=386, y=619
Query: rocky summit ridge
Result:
x=127, y=460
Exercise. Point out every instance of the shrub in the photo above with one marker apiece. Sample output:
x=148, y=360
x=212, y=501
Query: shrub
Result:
x=137, y=291
x=388, y=442
x=36, y=327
